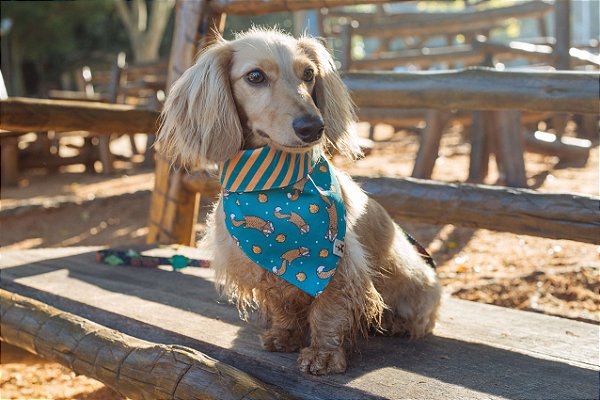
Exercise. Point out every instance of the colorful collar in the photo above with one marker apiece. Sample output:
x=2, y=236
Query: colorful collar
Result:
x=285, y=212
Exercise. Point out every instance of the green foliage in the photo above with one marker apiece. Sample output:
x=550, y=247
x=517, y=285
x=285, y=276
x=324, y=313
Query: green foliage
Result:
x=58, y=36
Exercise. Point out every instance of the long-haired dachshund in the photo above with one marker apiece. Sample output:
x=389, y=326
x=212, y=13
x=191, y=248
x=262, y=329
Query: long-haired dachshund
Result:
x=268, y=90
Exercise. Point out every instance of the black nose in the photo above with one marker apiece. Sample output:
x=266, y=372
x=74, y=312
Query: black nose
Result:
x=309, y=128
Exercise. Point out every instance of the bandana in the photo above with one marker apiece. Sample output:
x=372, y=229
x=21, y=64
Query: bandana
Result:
x=285, y=212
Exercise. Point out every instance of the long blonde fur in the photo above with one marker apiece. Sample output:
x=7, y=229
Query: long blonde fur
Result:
x=381, y=281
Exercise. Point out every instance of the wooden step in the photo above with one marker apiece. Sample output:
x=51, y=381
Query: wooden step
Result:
x=478, y=350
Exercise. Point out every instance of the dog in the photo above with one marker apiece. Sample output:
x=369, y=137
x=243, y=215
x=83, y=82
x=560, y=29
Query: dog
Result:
x=265, y=88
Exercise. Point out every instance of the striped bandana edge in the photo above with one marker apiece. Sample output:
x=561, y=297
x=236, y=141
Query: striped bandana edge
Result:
x=264, y=168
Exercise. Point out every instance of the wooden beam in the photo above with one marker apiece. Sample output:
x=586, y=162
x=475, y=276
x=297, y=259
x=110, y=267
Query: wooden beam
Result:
x=132, y=367
x=510, y=146
x=421, y=57
x=24, y=115
x=452, y=22
x=520, y=211
x=477, y=89
x=257, y=7
x=567, y=148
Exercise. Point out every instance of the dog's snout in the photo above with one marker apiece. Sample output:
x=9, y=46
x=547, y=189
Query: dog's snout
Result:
x=309, y=128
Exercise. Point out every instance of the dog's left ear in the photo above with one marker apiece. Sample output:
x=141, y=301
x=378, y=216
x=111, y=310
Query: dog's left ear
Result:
x=332, y=99
x=199, y=119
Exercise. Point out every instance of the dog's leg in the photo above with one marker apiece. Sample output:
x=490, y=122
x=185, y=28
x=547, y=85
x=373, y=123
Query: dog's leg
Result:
x=286, y=311
x=341, y=313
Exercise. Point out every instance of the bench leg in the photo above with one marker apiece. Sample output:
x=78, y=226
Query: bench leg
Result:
x=436, y=120
x=510, y=147
x=10, y=161
x=480, y=146
x=105, y=155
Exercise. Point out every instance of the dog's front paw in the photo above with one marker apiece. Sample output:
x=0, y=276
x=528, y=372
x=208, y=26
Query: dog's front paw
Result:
x=322, y=362
x=282, y=340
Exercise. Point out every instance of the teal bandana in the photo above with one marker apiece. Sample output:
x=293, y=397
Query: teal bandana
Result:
x=285, y=212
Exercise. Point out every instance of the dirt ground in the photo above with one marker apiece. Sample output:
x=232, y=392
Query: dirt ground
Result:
x=557, y=277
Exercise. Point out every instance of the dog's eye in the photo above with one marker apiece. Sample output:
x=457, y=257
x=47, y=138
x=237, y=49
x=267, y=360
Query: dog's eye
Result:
x=308, y=75
x=255, y=77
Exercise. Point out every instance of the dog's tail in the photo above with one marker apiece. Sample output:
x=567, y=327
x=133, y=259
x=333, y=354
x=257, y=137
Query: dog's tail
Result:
x=235, y=223
x=325, y=274
x=279, y=215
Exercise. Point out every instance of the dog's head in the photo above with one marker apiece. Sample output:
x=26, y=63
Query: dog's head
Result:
x=263, y=88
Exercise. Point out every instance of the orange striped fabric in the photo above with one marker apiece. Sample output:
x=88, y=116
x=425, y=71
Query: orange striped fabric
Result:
x=263, y=168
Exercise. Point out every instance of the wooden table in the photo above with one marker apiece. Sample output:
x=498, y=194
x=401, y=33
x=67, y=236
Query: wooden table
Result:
x=478, y=351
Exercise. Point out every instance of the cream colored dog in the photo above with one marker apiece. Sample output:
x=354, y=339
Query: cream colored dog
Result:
x=267, y=88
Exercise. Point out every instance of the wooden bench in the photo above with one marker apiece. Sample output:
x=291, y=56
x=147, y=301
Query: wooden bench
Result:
x=477, y=350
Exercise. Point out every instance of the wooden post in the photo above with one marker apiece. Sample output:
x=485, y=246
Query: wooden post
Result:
x=480, y=146
x=511, y=147
x=9, y=161
x=562, y=59
x=429, y=146
x=135, y=368
x=346, y=49
x=174, y=208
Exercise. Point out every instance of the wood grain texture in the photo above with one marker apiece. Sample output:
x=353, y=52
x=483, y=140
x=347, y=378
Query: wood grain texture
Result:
x=134, y=368
x=522, y=211
x=173, y=209
x=25, y=114
x=477, y=350
x=477, y=88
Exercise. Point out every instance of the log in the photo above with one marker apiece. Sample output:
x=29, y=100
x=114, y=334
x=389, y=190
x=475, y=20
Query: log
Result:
x=409, y=117
x=452, y=22
x=134, y=368
x=477, y=88
x=502, y=209
x=567, y=148
x=257, y=7
x=420, y=57
x=24, y=115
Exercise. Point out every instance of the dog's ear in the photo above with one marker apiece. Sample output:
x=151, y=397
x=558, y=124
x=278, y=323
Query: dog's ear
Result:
x=199, y=121
x=332, y=99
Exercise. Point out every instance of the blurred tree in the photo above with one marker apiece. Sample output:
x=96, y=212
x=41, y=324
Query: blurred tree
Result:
x=48, y=38
x=145, y=31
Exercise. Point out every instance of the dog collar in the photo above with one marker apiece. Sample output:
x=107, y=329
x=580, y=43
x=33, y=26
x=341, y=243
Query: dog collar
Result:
x=285, y=212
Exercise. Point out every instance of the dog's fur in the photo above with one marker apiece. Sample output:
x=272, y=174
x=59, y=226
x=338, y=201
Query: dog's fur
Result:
x=211, y=113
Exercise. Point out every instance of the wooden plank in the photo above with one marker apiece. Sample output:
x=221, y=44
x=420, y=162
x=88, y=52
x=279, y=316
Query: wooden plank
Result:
x=24, y=115
x=477, y=89
x=521, y=211
x=453, y=22
x=134, y=368
x=470, y=355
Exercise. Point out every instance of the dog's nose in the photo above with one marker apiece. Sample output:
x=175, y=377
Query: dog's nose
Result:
x=309, y=128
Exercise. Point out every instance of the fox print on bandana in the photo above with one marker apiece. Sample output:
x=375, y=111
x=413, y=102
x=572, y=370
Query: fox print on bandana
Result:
x=285, y=212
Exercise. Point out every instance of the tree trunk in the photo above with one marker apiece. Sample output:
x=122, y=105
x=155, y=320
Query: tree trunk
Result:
x=134, y=368
x=145, y=33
